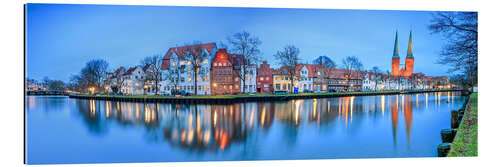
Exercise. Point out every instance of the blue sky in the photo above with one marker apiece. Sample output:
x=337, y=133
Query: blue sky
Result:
x=61, y=38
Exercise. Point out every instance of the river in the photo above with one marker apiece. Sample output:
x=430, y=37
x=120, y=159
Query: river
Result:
x=66, y=130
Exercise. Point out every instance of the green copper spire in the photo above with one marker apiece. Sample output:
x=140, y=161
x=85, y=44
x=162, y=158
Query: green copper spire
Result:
x=409, y=53
x=396, y=48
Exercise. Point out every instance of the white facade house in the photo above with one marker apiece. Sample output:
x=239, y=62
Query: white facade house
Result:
x=304, y=79
x=133, y=81
x=377, y=82
x=178, y=72
x=250, y=80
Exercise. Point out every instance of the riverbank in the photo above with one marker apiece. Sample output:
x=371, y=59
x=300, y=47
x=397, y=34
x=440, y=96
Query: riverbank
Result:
x=465, y=143
x=223, y=99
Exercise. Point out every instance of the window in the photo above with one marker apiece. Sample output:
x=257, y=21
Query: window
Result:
x=267, y=78
x=261, y=78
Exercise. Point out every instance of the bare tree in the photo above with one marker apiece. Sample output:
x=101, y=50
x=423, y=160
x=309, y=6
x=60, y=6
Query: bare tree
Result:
x=376, y=71
x=194, y=57
x=152, y=70
x=288, y=58
x=326, y=61
x=94, y=73
x=388, y=80
x=117, y=85
x=175, y=71
x=460, y=53
x=352, y=67
x=245, y=44
x=56, y=85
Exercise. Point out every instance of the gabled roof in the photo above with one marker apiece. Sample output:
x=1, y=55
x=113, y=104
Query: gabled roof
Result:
x=340, y=74
x=181, y=51
x=311, y=68
x=221, y=56
x=130, y=70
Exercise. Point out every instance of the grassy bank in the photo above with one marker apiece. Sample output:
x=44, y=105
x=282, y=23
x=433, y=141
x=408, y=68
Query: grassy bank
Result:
x=465, y=143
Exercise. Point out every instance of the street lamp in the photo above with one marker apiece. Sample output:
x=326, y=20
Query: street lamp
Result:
x=145, y=88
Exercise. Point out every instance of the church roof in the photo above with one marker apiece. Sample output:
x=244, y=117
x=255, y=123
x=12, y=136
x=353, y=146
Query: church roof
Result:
x=409, y=52
x=395, y=54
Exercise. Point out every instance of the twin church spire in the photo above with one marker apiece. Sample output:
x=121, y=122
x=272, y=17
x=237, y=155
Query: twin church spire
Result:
x=407, y=69
x=409, y=52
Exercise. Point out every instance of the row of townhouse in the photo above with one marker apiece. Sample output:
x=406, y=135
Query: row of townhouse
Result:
x=217, y=72
x=416, y=81
x=196, y=69
x=305, y=78
x=130, y=81
x=204, y=69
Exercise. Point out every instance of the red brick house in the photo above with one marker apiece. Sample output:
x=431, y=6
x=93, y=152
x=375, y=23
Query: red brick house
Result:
x=223, y=77
x=264, y=78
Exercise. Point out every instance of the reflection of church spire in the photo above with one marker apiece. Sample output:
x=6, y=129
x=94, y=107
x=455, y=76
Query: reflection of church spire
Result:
x=409, y=53
x=394, y=118
x=408, y=114
x=396, y=48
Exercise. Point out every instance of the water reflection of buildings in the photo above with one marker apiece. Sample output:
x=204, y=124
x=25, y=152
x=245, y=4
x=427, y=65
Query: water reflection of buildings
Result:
x=404, y=104
x=216, y=127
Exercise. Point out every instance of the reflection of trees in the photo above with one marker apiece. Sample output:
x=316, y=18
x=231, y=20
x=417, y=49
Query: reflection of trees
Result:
x=90, y=111
x=48, y=103
x=126, y=114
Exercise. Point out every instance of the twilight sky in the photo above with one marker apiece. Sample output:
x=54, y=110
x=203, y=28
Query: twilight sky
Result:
x=61, y=38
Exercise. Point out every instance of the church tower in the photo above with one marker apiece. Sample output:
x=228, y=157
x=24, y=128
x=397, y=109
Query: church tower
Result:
x=409, y=60
x=395, y=58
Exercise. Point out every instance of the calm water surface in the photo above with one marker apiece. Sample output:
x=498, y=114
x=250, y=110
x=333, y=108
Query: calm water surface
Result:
x=64, y=130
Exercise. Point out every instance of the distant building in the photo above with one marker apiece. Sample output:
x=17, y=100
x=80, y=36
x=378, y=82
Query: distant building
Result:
x=34, y=85
x=407, y=69
x=133, y=81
